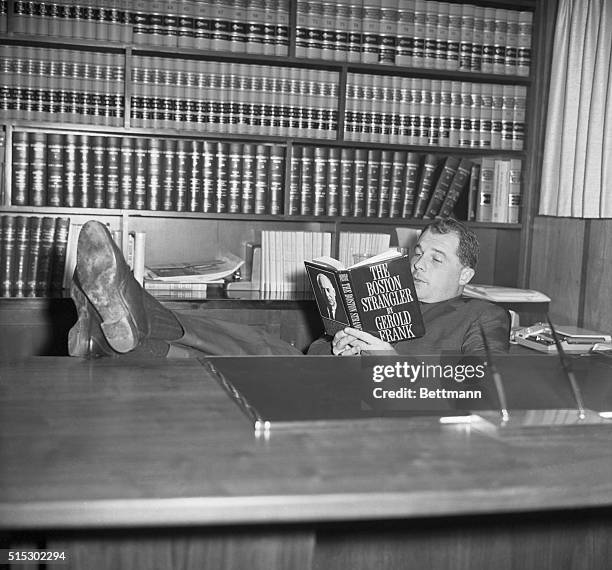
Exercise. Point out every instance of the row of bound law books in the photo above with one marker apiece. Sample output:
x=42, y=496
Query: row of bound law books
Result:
x=416, y=33
x=283, y=254
x=250, y=27
x=374, y=183
x=32, y=255
x=145, y=173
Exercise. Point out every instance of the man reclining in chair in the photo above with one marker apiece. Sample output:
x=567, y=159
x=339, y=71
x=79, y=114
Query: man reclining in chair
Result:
x=117, y=316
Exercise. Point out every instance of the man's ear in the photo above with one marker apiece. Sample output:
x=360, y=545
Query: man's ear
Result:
x=466, y=275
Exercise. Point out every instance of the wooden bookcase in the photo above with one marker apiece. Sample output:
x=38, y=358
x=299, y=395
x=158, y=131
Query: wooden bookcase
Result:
x=171, y=235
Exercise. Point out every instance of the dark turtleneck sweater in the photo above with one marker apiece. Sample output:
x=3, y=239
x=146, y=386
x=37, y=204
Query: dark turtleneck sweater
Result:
x=451, y=326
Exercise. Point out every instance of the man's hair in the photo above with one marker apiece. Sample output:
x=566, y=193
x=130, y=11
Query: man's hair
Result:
x=468, y=248
x=320, y=278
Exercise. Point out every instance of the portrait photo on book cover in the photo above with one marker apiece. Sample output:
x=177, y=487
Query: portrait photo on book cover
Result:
x=327, y=294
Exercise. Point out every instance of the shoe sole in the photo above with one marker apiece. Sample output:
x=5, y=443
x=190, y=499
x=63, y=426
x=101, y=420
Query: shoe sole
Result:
x=98, y=277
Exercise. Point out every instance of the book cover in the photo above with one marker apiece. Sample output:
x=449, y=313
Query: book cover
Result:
x=457, y=185
x=442, y=186
x=376, y=295
x=425, y=185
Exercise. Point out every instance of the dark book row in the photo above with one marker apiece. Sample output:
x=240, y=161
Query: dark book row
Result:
x=146, y=173
x=32, y=255
x=374, y=183
x=254, y=27
x=418, y=33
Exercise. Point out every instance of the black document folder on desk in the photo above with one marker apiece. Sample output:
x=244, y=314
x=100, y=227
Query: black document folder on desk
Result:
x=292, y=391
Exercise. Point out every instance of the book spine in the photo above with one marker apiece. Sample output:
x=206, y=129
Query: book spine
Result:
x=523, y=53
x=501, y=191
x=45, y=258
x=20, y=169
x=34, y=236
x=359, y=182
x=473, y=190
x=154, y=171
x=276, y=179
x=247, y=171
x=484, y=213
x=295, y=182
x=85, y=171
x=181, y=175
x=234, y=166
x=425, y=185
x=442, y=187
x=222, y=160
x=347, y=167
x=307, y=181
x=126, y=172
x=398, y=173
x=69, y=171
x=333, y=182
x=373, y=171
x=192, y=169
x=457, y=186
x=384, y=184
x=20, y=256
x=60, y=244
x=410, y=184
x=168, y=173
x=208, y=176
x=7, y=245
x=320, y=180
x=140, y=173
x=38, y=169
x=514, y=190
x=262, y=164
x=113, y=160
x=54, y=169
x=348, y=299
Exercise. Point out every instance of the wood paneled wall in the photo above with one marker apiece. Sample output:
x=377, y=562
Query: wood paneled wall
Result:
x=571, y=261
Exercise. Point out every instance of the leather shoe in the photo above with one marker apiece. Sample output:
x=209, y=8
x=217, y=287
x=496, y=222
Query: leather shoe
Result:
x=85, y=338
x=110, y=287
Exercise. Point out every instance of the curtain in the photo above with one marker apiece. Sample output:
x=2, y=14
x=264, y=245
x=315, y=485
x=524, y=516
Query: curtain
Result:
x=577, y=165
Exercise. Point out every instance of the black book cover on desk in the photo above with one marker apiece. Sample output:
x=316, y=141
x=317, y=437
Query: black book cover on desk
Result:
x=376, y=295
x=299, y=391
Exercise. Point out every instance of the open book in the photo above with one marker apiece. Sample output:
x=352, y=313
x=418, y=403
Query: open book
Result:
x=375, y=295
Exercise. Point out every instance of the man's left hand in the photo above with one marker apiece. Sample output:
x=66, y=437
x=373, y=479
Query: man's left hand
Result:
x=352, y=341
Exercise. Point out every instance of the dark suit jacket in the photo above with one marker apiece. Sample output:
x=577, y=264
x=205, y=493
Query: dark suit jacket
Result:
x=451, y=326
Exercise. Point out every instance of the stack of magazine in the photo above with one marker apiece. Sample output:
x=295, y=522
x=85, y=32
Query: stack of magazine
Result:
x=190, y=280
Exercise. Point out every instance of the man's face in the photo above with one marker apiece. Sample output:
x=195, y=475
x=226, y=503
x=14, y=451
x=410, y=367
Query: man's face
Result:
x=437, y=272
x=328, y=291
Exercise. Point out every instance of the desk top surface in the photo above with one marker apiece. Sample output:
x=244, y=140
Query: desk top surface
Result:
x=116, y=442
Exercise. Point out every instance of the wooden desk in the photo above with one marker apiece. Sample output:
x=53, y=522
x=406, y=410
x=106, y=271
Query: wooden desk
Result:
x=132, y=464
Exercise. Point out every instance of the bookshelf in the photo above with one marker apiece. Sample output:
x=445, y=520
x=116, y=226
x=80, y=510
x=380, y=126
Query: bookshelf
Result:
x=261, y=83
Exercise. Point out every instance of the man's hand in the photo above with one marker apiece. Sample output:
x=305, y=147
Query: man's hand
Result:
x=349, y=341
